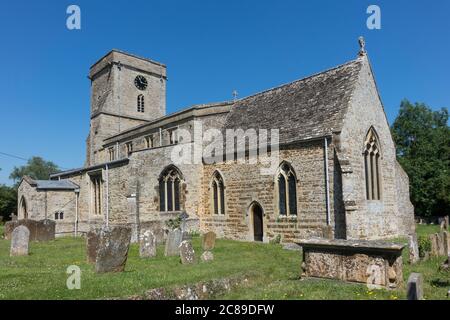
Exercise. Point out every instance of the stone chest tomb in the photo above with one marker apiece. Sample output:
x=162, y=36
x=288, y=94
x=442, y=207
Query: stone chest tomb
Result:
x=378, y=264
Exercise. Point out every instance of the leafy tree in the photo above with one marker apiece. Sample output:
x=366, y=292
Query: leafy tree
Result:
x=8, y=201
x=37, y=168
x=422, y=137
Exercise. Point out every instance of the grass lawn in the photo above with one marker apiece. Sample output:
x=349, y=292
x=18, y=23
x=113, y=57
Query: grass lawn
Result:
x=273, y=273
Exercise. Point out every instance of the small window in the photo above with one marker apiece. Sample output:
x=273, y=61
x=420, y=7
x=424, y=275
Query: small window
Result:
x=218, y=194
x=59, y=215
x=140, y=103
x=112, y=154
x=149, y=141
x=173, y=137
x=96, y=194
x=129, y=146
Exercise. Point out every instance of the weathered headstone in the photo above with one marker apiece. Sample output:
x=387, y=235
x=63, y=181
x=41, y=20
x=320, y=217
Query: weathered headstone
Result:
x=113, y=248
x=413, y=248
x=147, y=245
x=434, y=240
x=446, y=242
x=45, y=230
x=442, y=245
x=92, y=241
x=20, y=240
x=173, y=241
x=414, y=288
x=207, y=256
x=187, y=253
x=209, y=241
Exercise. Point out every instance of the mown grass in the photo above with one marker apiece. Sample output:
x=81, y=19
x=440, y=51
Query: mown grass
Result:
x=273, y=273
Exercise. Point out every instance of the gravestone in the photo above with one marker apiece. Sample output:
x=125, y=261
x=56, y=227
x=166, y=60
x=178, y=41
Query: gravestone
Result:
x=413, y=248
x=113, y=248
x=446, y=243
x=207, y=256
x=20, y=239
x=92, y=240
x=442, y=245
x=173, y=241
x=45, y=230
x=414, y=288
x=434, y=240
x=187, y=253
x=147, y=245
x=209, y=241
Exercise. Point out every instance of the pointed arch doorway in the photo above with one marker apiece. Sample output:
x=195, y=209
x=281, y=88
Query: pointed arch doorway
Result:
x=23, y=213
x=257, y=214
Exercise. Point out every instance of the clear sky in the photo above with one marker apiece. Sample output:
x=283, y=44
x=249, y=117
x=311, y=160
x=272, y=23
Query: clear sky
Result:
x=210, y=49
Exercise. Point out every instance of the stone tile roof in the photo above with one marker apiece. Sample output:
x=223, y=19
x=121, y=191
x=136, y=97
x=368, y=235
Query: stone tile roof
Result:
x=304, y=109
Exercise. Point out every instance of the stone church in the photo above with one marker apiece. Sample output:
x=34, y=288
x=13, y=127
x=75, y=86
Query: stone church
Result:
x=336, y=174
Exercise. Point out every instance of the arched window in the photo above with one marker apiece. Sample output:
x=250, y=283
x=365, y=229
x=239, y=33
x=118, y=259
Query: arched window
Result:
x=140, y=103
x=218, y=193
x=23, y=213
x=372, y=165
x=169, y=189
x=287, y=190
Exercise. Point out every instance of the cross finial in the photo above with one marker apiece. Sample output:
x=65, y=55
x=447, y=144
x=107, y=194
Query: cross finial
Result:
x=235, y=95
x=362, y=46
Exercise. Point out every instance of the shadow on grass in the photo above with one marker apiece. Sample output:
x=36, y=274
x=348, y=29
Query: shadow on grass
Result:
x=440, y=283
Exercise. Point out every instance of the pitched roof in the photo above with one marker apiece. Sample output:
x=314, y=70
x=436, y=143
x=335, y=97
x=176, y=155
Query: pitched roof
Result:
x=51, y=184
x=304, y=109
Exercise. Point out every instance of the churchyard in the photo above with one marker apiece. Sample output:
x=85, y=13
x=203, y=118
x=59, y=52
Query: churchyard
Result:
x=262, y=271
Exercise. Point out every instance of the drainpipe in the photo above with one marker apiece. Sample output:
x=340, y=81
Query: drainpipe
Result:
x=327, y=182
x=107, y=195
x=77, y=194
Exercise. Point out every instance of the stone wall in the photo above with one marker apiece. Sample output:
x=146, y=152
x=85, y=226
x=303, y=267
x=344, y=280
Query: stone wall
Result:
x=244, y=184
x=368, y=219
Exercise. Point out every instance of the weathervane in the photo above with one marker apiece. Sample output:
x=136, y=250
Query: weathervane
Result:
x=362, y=46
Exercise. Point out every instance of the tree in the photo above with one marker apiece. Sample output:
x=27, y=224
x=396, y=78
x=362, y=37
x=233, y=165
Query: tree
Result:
x=37, y=168
x=422, y=138
x=8, y=201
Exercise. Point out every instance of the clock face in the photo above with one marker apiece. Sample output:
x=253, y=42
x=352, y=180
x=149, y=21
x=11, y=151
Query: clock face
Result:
x=140, y=82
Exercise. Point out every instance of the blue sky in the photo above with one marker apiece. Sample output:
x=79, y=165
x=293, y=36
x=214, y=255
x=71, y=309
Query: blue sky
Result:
x=210, y=48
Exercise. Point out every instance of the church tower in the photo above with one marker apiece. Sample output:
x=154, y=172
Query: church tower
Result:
x=126, y=91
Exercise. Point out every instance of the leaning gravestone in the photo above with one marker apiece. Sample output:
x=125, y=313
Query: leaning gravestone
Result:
x=173, y=241
x=147, y=245
x=414, y=288
x=413, y=248
x=20, y=240
x=209, y=241
x=187, y=252
x=92, y=241
x=113, y=248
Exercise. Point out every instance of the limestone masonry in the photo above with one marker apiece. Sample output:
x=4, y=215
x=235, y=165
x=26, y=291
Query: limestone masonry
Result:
x=336, y=176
